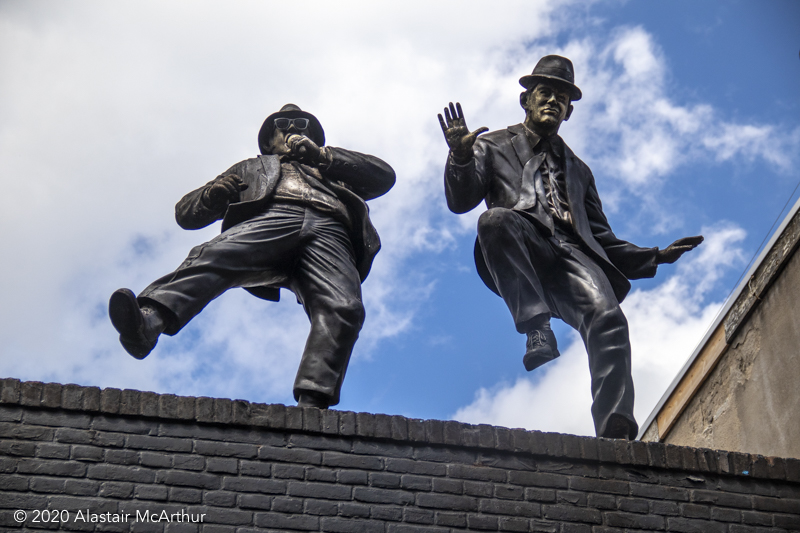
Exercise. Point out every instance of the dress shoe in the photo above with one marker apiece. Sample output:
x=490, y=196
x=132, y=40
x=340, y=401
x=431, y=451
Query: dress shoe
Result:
x=542, y=347
x=313, y=399
x=618, y=427
x=138, y=328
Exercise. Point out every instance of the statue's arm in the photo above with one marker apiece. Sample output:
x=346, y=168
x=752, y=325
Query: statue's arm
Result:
x=367, y=175
x=633, y=261
x=466, y=183
x=208, y=203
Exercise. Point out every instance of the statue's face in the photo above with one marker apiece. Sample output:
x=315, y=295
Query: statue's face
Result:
x=548, y=105
x=277, y=144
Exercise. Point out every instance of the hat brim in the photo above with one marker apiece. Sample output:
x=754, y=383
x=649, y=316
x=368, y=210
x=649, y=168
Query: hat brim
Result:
x=532, y=79
x=315, y=131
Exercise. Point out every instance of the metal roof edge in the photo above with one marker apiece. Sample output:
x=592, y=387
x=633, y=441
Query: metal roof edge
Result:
x=719, y=318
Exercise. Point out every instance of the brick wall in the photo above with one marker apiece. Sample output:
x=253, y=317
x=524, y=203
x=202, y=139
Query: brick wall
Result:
x=135, y=457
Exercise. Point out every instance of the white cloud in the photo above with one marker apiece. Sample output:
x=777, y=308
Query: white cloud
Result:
x=666, y=323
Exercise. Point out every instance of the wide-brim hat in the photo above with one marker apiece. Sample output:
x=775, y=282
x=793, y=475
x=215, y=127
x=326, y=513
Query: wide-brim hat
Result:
x=315, y=131
x=553, y=68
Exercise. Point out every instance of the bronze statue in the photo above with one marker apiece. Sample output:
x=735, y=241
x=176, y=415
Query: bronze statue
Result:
x=295, y=218
x=544, y=244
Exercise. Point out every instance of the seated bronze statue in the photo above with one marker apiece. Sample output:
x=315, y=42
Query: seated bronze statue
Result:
x=544, y=244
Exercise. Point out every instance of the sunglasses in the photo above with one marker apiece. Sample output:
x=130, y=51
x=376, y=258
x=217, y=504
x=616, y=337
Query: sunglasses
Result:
x=284, y=123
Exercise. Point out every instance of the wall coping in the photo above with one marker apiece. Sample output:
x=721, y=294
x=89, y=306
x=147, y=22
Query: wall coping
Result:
x=330, y=422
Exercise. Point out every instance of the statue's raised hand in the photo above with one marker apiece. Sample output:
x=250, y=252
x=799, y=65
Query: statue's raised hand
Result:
x=674, y=251
x=456, y=133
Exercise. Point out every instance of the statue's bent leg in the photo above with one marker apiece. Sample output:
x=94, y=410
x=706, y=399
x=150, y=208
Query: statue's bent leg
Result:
x=327, y=284
x=270, y=240
x=586, y=301
x=518, y=257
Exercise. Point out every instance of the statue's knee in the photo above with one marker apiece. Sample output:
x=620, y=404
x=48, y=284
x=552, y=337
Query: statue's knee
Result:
x=351, y=313
x=494, y=222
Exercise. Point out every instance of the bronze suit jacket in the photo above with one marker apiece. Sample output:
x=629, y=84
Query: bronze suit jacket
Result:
x=495, y=175
x=352, y=177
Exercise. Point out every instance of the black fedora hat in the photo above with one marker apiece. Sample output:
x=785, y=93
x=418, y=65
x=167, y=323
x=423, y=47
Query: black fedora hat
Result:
x=315, y=131
x=553, y=68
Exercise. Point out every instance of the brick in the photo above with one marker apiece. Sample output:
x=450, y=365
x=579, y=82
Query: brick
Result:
x=222, y=465
x=48, y=484
x=418, y=516
x=122, y=457
x=318, y=490
x=776, y=505
x=634, y=521
x=112, y=489
x=609, y=486
x=540, y=495
x=150, y=492
x=442, y=518
x=145, y=442
x=722, y=499
x=342, y=460
x=10, y=500
x=189, y=479
x=154, y=459
x=383, y=480
x=665, y=508
x=447, y=502
x=657, y=455
x=398, y=428
x=321, y=508
x=109, y=400
x=553, y=444
x=416, y=430
x=792, y=469
x=538, y=479
x=572, y=497
x=571, y=514
x=353, y=477
x=412, y=482
x=659, y=492
x=329, y=421
x=350, y=509
x=74, y=436
x=482, y=522
x=689, y=525
x=264, y=486
x=434, y=431
x=226, y=449
x=294, y=417
x=41, y=467
x=282, y=471
x=450, y=486
x=81, y=487
x=20, y=449
x=204, y=409
x=219, y=498
x=86, y=453
x=755, y=518
x=51, y=395
x=415, y=467
x=441, y=454
x=255, y=501
x=327, y=443
x=320, y=474
x=508, y=492
x=283, y=522
x=373, y=495
x=57, y=419
x=14, y=483
x=478, y=488
x=789, y=522
x=130, y=402
x=477, y=473
x=118, y=424
x=344, y=525
x=690, y=510
x=31, y=393
x=510, y=508
x=290, y=455
x=721, y=514
x=407, y=528
x=347, y=423
x=603, y=501
x=9, y=390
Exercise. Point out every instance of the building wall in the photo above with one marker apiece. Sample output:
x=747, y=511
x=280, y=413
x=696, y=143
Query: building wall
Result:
x=116, y=460
x=751, y=400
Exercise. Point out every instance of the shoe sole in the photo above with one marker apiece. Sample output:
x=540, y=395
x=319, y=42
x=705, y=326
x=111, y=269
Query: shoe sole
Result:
x=533, y=361
x=126, y=317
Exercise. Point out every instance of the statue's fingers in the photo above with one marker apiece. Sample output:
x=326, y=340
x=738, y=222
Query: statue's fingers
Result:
x=453, y=112
x=448, y=116
x=442, y=124
x=458, y=109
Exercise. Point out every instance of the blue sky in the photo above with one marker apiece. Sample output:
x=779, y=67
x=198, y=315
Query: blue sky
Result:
x=690, y=122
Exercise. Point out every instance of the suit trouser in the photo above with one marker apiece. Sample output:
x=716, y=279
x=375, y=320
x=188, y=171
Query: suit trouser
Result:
x=540, y=276
x=313, y=251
